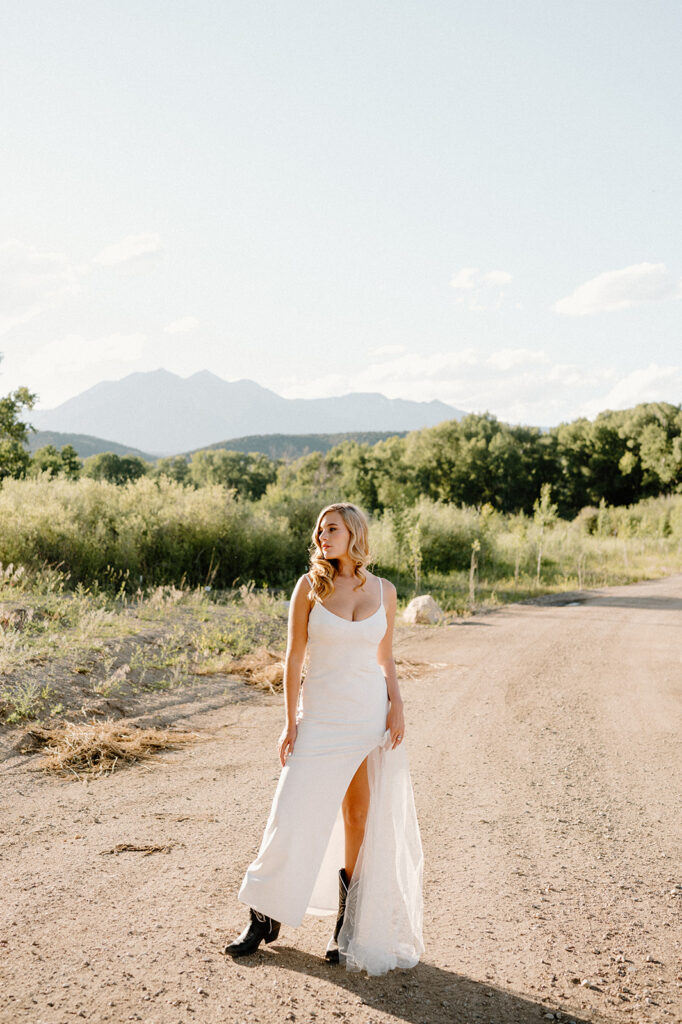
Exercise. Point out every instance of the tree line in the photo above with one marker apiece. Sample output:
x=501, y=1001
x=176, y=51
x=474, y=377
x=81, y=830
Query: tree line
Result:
x=618, y=458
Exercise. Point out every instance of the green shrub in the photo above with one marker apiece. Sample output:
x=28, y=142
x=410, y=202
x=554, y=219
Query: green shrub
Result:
x=151, y=530
x=156, y=531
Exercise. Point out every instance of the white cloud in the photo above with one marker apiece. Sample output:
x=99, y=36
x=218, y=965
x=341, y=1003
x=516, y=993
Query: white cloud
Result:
x=464, y=377
x=650, y=384
x=68, y=365
x=132, y=249
x=518, y=385
x=480, y=290
x=508, y=358
x=182, y=326
x=465, y=279
x=497, y=277
x=34, y=281
x=73, y=350
x=387, y=350
x=414, y=365
x=31, y=281
x=621, y=289
x=8, y=323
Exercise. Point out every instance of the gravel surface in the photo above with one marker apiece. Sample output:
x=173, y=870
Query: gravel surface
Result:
x=545, y=749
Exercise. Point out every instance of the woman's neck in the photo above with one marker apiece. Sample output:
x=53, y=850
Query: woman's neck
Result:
x=345, y=568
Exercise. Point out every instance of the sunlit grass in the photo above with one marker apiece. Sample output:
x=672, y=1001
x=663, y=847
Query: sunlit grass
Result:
x=113, y=646
x=66, y=642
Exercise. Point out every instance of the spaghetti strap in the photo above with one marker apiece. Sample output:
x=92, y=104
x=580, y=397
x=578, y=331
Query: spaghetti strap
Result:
x=381, y=592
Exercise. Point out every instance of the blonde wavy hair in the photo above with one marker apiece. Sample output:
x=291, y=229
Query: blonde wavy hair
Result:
x=323, y=571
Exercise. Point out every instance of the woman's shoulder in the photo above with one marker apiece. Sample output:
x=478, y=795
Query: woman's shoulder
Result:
x=300, y=595
x=386, y=586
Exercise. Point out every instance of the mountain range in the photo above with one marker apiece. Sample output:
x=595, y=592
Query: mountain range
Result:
x=83, y=444
x=275, y=446
x=163, y=413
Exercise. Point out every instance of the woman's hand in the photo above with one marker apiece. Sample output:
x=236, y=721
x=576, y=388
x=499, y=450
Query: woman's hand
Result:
x=286, y=742
x=395, y=723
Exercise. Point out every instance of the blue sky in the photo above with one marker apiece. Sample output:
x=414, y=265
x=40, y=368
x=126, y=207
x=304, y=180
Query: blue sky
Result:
x=472, y=201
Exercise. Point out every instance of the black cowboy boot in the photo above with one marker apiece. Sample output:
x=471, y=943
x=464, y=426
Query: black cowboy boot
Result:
x=260, y=928
x=332, y=952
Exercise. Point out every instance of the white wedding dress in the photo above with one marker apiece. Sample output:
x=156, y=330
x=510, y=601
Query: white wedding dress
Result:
x=341, y=720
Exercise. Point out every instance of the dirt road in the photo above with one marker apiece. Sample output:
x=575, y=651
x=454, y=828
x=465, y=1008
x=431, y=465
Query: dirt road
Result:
x=545, y=745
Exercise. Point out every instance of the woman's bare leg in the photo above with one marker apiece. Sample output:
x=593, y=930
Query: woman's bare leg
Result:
x=355, y=806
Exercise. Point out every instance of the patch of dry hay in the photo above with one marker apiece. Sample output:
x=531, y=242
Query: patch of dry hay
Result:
x=145, y=850
x=98, y=748
x=409, y=669
x=261, y=668
x=265, y=669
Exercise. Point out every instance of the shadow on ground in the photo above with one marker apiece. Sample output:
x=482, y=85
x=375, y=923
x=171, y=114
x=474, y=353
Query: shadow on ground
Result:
x=605, y=598
x=654, y=604
x=423, y=995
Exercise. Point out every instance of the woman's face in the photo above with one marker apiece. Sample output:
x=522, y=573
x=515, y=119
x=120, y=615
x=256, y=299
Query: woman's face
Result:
x=333, y=536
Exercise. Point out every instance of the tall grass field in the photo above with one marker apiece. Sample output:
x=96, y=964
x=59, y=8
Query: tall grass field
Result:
x=108, y=592
x=157, y=531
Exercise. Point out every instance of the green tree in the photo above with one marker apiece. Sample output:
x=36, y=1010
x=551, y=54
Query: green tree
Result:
x=653, y=433
x=49, y=460
x=14, y=457
x=117, y=469
x=573, y=453
x=71, y=462
x=176, y=467
x=394, y=476
x=608, y=446
x=479, y=459
x=249, y=473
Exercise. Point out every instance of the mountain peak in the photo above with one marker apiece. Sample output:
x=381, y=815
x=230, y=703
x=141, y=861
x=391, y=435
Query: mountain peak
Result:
x=159, y=374
x=205, y=375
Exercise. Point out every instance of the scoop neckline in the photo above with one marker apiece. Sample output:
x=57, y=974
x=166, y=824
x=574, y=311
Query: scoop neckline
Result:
x=343, y=619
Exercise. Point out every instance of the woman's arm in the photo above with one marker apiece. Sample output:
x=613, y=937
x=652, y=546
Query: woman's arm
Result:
x=395, y=720
x=299, y=609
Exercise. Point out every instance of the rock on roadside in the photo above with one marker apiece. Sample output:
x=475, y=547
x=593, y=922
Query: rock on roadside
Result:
x=423, y=610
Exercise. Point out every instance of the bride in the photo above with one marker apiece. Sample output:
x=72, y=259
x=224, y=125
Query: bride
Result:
x=343, y=819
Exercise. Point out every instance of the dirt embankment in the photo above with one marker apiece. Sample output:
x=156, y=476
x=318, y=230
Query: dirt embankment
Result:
x=546, y=759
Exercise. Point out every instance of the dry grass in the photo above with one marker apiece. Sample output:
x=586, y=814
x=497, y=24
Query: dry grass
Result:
x=262, y=668
x=410, y=669
x=145, y=849
x=98, y=748
x=265, y=668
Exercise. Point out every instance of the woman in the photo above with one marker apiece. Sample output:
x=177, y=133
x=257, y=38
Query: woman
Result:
x=344, y=795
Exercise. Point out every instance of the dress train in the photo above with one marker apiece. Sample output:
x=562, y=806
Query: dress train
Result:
x=382, y=925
